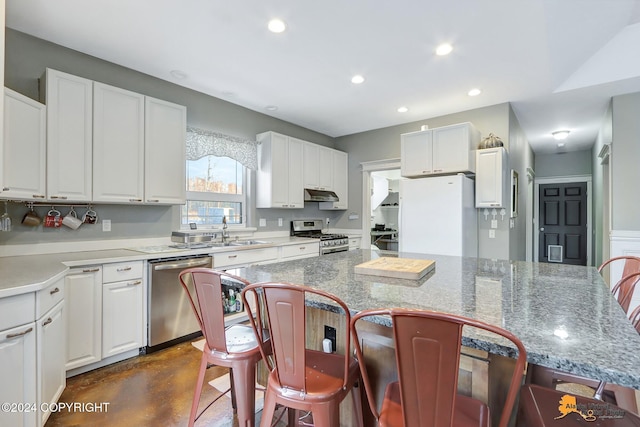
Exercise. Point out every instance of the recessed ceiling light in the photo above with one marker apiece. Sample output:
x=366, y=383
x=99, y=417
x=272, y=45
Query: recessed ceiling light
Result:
x=357, y=79
x=474, y=92
x=271, y=108
x=444, y=49
x=177, y=74
x=402, y=109
x=560, y=134
x=276, y=26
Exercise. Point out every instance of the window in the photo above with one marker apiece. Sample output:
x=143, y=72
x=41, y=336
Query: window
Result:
x=215, y=189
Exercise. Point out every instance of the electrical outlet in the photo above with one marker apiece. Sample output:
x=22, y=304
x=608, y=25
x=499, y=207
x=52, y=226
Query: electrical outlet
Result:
x=330, y=333
x=263, y=222
x=494, y=223
x=492, y=234
x=279, y=222
x=106, y=225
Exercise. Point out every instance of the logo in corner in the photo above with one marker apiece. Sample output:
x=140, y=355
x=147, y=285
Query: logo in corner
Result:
x=588, y=411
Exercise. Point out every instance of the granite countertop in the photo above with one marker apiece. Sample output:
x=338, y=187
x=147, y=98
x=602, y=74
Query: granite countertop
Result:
x=565, y=315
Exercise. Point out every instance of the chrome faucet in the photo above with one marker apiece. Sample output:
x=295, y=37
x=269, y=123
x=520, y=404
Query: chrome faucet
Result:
x=225, y=232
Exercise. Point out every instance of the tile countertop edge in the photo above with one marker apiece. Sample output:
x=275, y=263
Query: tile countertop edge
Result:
x=30, y=273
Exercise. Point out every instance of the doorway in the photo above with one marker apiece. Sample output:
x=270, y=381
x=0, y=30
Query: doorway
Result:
x=385, y=209
x=563, y=207
x=368, y=168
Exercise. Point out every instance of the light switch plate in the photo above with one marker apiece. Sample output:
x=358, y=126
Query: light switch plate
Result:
x=263, y=222
x=106, y=225
x=494, y=223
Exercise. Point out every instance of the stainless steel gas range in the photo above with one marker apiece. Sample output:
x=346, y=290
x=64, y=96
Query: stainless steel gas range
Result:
x=312, y=228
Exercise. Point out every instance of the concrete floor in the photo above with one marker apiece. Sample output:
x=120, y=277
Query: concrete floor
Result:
x=151, y=390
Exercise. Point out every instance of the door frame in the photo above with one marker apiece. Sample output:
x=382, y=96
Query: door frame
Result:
x=367, y=169
x=536, y=210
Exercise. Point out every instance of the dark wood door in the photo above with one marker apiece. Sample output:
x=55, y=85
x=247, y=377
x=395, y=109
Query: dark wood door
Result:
x=563, y=222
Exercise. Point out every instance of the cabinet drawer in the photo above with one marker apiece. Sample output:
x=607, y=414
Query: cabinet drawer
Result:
x=302, y=249
x=253, y=256
x=354, y=243
x=121, y=271
x=48, y=297
x=17, y=310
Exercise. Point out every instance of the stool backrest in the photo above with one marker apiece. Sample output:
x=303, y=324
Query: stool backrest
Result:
x=281, y=308
x=427, y=346
x=203, y=287
x=623, y=289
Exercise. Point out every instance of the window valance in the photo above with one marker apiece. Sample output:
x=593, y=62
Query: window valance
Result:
x=202, y=143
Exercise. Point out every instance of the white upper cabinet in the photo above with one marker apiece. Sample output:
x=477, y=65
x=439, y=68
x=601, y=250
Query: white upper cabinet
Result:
x=280, y=171
x=340, y=173
x=24, y=148
x=492, y=186
x=118, y=145
x=439, y=151
x=165, y=152
x=318, y=164
x=69, y=102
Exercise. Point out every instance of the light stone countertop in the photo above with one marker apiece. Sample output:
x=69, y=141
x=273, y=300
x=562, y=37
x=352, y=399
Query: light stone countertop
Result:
x=535, y=301
x=29, y=273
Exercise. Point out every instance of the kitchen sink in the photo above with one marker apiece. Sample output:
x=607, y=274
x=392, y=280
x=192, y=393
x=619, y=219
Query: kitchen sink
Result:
x=247, y=242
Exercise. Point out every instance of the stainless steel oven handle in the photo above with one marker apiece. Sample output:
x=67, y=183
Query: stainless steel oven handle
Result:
x=185, y=264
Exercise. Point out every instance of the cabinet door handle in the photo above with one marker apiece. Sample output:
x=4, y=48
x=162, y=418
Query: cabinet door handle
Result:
x=233, y=256
x=135, y=200
x=19, y=334
x=5, y=189
x=46, y=322
x=124, y=269
x=38, y=196
x=438, y=170
x=153, y=200
x=302, y=248
x=54, y=291
x=137, y=282
x=90, y=270
x=59, y=197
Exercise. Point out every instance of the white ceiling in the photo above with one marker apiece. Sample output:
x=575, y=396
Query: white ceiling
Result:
x=557, y=61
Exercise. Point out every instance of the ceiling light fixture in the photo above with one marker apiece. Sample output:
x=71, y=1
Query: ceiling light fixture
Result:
x=560, y=144
x=276, y=26
x=444, y=49
x=474, y=92
x=560, y=134
x=402, y=109
x=271, y=108
x=357, y=79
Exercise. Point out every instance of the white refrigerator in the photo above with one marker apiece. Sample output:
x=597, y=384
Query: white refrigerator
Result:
x=438, y=216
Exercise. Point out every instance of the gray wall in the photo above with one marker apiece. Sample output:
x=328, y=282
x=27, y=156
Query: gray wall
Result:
x=384, y=143
x=25, y=61
x=564, y=164
x=600, y=228
x=625, y=162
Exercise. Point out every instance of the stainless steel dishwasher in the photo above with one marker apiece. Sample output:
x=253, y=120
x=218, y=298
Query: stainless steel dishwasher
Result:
x=171, y=317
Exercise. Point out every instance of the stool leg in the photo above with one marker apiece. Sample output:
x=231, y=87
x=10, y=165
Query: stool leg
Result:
x=268, y=409
x=198, y=391
x=244, y=383
x=326, y=414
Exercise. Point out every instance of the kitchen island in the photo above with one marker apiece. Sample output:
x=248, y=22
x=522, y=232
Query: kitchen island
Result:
x=565, y=315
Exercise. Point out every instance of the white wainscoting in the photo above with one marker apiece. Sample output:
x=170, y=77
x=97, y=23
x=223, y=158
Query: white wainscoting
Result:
x=624, y=243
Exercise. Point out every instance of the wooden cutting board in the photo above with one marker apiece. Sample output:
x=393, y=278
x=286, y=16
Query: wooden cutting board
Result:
x=401, y=268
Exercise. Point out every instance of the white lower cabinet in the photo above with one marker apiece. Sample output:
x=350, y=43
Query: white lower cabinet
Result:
x=354, y=243
x=51, y=358
x=301, y=250
x=32, y=355
x=123, y=322
x=83, y=297
x=245, y=257
x=18, y=373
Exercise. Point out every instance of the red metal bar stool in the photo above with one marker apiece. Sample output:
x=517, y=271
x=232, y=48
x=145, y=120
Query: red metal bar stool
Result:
x=302, y=378
x=427, y=347
x=234, y=347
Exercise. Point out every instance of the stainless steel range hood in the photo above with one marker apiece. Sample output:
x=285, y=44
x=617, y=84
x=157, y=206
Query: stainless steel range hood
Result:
x=320, y=196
